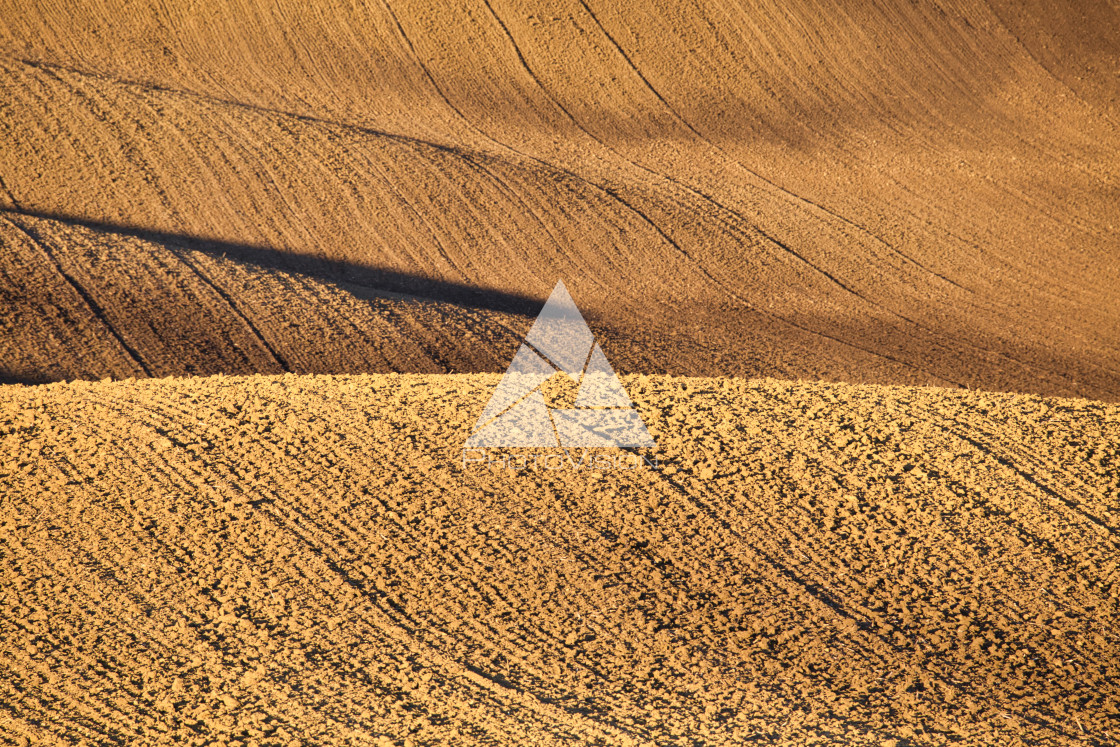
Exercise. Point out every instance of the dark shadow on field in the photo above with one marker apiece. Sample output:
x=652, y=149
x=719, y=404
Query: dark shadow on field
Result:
x=148, y=325
x=452, y=327
x=7, y=378
x=631, y=345
x=373, y=278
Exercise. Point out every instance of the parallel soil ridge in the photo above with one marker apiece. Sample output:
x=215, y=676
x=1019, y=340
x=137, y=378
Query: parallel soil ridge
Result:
x=904, y=193
x=308, y=559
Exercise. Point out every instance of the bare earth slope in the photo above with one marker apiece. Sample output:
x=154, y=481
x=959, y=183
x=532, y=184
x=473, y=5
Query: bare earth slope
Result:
x=94, y=303
x=898, y=192
x=307, y=560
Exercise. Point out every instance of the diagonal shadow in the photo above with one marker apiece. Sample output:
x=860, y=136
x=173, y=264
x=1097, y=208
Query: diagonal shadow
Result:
x=371, y=278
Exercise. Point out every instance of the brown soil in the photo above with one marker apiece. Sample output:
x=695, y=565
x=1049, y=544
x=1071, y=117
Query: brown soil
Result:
x=899, y=192
x=274, y=560
x=881, y=193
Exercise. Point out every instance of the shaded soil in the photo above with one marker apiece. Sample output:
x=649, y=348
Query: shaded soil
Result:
x=896, y=193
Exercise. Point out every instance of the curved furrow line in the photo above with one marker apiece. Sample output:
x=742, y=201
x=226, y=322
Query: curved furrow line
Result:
x=217, y=156
x=1025, y=48
x=323, y=539
x=485, y=632
x=756, y=175
x=681, y=185
x=975, y=692
x=75, y=713
x=175, y=473
x=812, y=330
x=105, y=114
x=91, y=303
x=93, y=705
x=793, y=196
x=735, y=215
x=219, y=144
x=13, y=203
x=991, y=444
x=218, y=104
x=613, y=193
x=399, y=624
x=463, y=562
x=280, y=360
x=1042, y=469
x=940, y=121
x=766, y=511
x=418, y=146
x=386, y=330
x=647, y=220
x=424, y=151
x=419, y=336
x=970, y=344
x=778, y=317
x=396, y=623
x=1047, y=547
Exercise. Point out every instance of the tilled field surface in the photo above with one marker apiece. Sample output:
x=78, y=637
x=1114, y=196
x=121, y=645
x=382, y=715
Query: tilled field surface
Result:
x=885, y=192
x=275, y=560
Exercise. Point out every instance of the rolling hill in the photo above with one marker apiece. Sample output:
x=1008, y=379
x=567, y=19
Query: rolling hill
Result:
x=910, y=192
x=314, y=560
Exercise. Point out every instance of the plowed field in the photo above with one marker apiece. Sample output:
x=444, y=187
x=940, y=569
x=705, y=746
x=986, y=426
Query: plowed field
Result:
x=290, y=559
x=887, y=192
x=261, y=263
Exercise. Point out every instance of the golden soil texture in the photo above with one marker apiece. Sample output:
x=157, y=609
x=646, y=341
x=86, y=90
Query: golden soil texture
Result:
x=881, y=192
x=308, y=560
